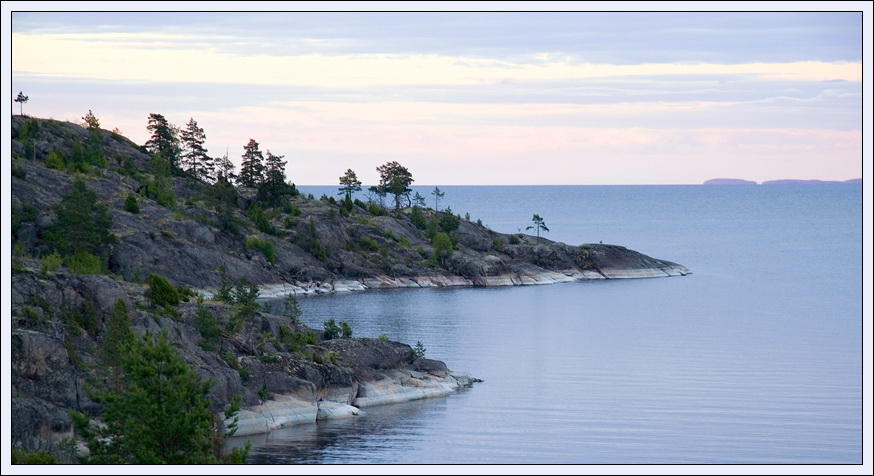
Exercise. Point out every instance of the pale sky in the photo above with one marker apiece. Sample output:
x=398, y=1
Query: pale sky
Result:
x=469, y=98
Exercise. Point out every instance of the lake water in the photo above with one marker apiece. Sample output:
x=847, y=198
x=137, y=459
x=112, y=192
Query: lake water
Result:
x=755, y=358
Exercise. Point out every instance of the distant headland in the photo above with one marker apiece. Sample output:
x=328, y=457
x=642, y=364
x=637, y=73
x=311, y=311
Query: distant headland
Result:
x=735, y=181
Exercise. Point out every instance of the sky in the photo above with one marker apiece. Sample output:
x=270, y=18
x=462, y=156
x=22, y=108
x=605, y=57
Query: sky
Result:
x=469, y=98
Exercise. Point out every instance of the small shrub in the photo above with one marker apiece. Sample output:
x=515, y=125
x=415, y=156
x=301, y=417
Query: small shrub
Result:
x=264, y=246
x=262, y=222
x=131, y=204
x=210, y=332
x=368, y=244
x=419, y=350
x=332, y=330
x=84, y=263
x=18, y=170
x=19, y=456
x=296, y=341
x=50, y=263
x=263, y=394
x=161, y=292
x=56, y=160
x=514, y=240
x=497, y=244
x=161, y=190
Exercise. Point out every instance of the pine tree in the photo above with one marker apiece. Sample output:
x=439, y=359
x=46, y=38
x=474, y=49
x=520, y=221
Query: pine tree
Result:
x=395, y=179
x=252, y=166
x=539, y=224
x=161, y=415
x=21, y=99
x=194, y=158
x=82, y=224
x=116, y=343
x=350, y=184
x=164, y=142
x=224, y=168
x=273, y=186
x=437, y=196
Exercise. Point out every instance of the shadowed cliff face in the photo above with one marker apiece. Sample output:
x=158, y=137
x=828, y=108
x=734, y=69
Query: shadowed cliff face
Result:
x=203, y=239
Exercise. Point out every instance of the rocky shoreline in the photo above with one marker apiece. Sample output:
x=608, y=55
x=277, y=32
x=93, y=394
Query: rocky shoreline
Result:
x=199, y=237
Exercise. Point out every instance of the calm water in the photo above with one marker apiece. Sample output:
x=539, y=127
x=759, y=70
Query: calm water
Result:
x=754, y=358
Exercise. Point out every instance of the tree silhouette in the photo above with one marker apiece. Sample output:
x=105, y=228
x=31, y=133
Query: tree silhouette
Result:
x=164, y=141
x=21, y=99
x=396, y=179
x=437, y=196
x=350, y=184
x=252, y=166
x=538, y=225
x=194, y=157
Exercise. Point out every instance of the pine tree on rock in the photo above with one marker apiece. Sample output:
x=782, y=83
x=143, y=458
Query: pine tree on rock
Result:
x=252, y=167
x=273, y=186
x=164, y=141
x=159, y=415
x=194, y=158
x=395, y=179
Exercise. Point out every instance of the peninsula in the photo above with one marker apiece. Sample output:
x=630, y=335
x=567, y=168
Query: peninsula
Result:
x=105, y=229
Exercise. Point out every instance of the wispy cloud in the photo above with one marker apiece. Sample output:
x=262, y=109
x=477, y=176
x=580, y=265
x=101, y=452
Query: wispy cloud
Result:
x=511, y=97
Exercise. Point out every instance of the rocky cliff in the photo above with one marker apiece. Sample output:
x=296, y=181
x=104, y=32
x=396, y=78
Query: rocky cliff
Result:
x=202, y=238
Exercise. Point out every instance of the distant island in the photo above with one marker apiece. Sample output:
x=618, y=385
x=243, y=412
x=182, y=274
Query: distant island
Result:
x=729, y=181
x=735, y=181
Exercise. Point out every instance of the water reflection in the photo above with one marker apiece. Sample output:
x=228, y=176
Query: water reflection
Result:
x=370, y=437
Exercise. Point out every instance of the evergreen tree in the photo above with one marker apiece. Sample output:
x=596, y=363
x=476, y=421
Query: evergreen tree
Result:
x=418, y=200
x=119, y=337
x=273, y=186
x=164, y=142
x=350, y=184
x=437, y=196
x=161, y=415
x=21, y=99
x=395, y=179
x=91, y=121
x=82, y=224
x=539, y=224
x=252, y=166
x=224, y=168
x=194, y=158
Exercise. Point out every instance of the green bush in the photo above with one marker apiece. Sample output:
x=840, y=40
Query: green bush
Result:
x=296, y=341
x=130, y=204
x=333, y=331
x=262, y=222
x=56, y=160
x=442, y=248
x=50, y=263
x=84, y=263
x=20, y=456
x=368, y=244
x=161, y=292
x=160, y=189
x=497, y=244
x=207, y=325
x=264, y=246
x=82, y=223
